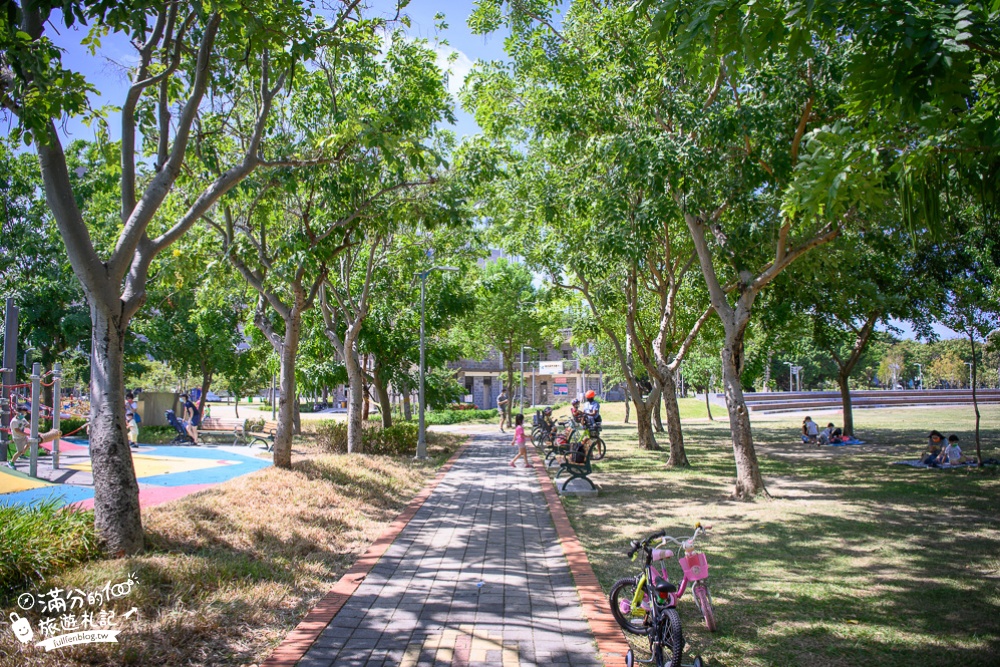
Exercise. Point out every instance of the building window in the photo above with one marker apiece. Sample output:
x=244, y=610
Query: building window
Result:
x=567, y=354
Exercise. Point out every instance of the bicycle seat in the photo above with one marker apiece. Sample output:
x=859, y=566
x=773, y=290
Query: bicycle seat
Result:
x=665, y=587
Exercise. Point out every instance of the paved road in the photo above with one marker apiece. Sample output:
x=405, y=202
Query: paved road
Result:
x=476, y=578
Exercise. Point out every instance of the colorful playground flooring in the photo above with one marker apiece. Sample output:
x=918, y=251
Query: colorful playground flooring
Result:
x=164, y=473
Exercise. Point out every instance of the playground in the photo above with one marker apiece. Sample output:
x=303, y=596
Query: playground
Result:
x=164, y=473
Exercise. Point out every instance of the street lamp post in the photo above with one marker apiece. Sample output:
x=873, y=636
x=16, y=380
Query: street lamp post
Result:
x=521, y=401
x=920, y=369
x=421, y=427
x=789, y=364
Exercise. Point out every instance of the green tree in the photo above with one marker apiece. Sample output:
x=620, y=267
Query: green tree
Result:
x=509, y=314
x=193, y=62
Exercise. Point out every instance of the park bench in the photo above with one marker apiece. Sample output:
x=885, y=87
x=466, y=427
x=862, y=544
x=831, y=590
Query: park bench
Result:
x=577, y=469
x=237, y=427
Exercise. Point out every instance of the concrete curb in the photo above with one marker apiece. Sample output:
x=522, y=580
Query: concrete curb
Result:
x=295, y=645
x=611, y=644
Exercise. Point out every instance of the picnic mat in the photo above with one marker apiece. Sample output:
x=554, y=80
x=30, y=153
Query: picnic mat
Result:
x=917, y=463
x=846, y=443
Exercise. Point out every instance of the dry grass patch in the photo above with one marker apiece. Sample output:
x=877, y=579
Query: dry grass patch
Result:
x=229, y=571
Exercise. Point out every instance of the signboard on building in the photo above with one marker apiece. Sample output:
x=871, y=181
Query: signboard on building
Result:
x=550, y=367
x=559, y=386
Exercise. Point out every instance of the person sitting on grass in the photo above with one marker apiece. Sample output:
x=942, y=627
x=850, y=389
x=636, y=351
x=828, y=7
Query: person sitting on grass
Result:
x=520, y=441
x=952, y=454
x=826, y=434
x=935, y=443
x=810, y=431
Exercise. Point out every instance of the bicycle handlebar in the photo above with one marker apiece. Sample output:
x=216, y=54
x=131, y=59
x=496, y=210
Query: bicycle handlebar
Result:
x=662, y=535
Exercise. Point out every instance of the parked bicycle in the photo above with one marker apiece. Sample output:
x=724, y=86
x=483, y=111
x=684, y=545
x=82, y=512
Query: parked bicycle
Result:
x=647, y=605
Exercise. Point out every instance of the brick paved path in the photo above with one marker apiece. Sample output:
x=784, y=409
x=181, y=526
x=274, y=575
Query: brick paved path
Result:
x=477, y=577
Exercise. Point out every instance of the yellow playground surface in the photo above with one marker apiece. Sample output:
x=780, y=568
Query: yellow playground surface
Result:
x=148, y=466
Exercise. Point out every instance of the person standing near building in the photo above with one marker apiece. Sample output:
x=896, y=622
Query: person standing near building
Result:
x=502, y=403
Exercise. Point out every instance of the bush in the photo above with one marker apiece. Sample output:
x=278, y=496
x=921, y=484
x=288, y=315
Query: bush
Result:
x=254, y=425
x=65, y=425
x=458, y=416
x=156, y=435
x=40, y=539
x=396, y=440
x=463, y=406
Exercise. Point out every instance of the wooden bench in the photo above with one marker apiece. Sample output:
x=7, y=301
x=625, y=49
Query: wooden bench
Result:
x=577, y=470
x=241, y=436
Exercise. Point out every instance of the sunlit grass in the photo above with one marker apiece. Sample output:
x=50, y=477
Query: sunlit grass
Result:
x=851, y=562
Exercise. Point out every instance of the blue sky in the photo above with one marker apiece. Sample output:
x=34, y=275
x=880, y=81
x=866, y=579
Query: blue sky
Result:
x=106, y=69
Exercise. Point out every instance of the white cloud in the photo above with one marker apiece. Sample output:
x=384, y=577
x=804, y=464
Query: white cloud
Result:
x=456, y=70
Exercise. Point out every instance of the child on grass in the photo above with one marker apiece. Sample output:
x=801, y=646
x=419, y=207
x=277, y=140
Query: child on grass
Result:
x=952, y=454
x=520, y=441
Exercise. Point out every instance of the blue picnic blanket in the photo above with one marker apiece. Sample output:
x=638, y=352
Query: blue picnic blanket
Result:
x=918, y=463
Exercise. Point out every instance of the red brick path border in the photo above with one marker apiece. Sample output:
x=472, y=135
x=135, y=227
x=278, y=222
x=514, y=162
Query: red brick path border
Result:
x=611, y=642
x=298, y=641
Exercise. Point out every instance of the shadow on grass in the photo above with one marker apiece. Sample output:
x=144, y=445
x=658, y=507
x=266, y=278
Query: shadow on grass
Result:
x=851, y=562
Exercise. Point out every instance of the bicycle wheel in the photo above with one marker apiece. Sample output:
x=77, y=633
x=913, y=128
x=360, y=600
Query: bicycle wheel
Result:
x=620, y=598
x=597, y=449
x=703, y=600
x=671, y=639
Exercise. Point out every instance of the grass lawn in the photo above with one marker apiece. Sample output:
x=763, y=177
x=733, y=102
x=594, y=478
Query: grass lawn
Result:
x=230, y=570
x=850, y=562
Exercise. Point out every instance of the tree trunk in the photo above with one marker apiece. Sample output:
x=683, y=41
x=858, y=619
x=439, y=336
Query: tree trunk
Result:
x=382, y=392
x=366, y=410
x=657, y=417
x=116, y=493
x=643, y=422
x=678, y=457
x=355, y=397
x=708, y=406
x=407, y=410
x=749, y=483
x=296, y=417
x=510, y=391
x=206, y=384
x=286, y=396
x=843, y=380
x=236, y=407
x=975, y=400
x=628, y=405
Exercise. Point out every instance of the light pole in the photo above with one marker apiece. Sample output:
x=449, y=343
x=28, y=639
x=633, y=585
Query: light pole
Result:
x=521, y=401
x=789, y=364
x=421, y=427
x=920, y=370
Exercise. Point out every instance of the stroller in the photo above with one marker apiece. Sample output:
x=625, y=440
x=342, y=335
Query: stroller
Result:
x=182, y=437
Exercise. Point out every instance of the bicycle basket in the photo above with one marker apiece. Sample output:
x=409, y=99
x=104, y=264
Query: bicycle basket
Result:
x=695, y=566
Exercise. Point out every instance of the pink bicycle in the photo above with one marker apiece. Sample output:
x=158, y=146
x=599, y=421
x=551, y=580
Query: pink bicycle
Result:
x=647, y=605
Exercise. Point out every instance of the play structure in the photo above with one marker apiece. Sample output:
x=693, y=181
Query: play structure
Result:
x=12, y=396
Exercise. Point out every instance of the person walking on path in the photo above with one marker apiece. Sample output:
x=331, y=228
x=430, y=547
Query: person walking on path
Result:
x=502, y=403
x=519, y=441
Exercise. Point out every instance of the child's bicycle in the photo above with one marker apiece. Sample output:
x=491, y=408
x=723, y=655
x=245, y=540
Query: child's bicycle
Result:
x=647, y=605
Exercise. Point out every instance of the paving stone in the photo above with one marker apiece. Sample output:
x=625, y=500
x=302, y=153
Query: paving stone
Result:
x=422, y=605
